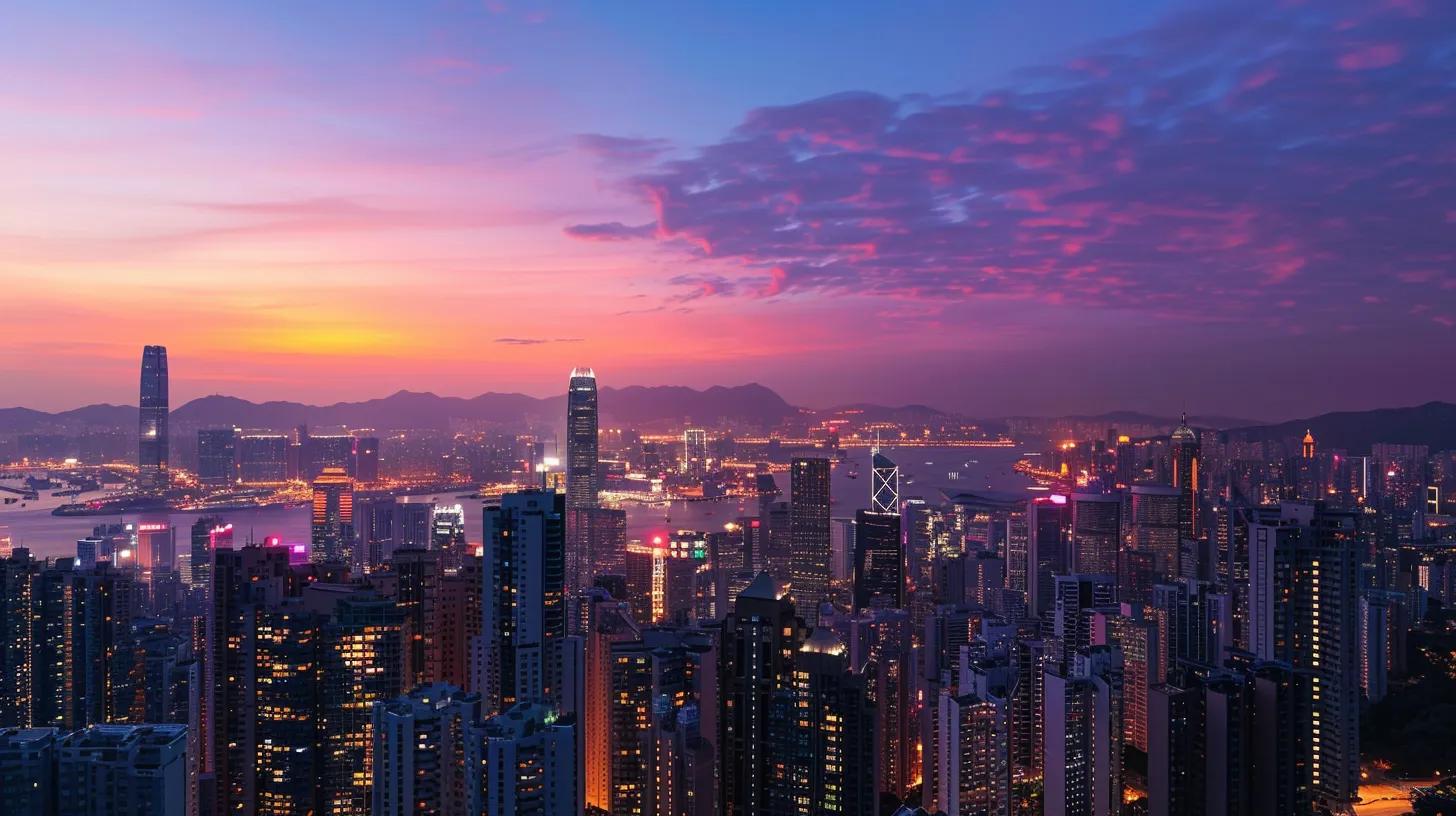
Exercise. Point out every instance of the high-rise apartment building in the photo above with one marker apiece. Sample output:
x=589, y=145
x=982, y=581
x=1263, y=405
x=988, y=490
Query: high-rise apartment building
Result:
x=524, y=600
x=421, y=750
x=528, y=757
x=1304, y=600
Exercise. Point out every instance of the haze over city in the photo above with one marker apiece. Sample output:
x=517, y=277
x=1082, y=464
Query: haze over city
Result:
x=995, y=208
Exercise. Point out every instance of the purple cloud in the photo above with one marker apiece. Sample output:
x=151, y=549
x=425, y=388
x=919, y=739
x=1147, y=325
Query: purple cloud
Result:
x=610, y=231
x=1224, y=161
x=621, y=149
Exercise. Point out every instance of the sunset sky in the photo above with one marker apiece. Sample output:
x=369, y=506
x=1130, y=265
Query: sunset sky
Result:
x=991, y=207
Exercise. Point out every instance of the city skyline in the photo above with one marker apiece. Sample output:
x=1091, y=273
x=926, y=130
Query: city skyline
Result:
x=948, y=196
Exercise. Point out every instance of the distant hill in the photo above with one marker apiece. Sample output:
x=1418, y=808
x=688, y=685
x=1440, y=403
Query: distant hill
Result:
x=752, y=404
x=1115, y=419
x=1432, y=424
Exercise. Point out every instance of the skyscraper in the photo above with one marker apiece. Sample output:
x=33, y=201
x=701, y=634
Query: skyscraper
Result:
x=695, y=452
x=884, y=484
x=1186, y=452
x=1096, y=532
x=581, y=439
x=217, y=457
x=524, y=600
x=582, y=480
x=1157, y=514
x=809, y=535
x=152, y=421
x=879, y=560
x=1304, y=611
x=420, y=748
x=123, y=769
x=528, y=755
x=333, y=517
x=754, y=669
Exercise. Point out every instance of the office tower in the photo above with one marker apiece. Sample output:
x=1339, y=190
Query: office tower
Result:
x=582, y=483
x=413, y=583
x=524, y=600
x=420, y=750
x=1077, y=596
x=582, y=477
x=28, y=770
x=827, y=735
x=1137, y=573
x=208, y=533
x=879, y=560
x=1186, y=453
x=1096, y=532
x=217, y=457
x=884, y=484
x=123, y=769
x=1049, y=530
x=1304, y=611
x=973, y=755
x=333, y=517
x=244, y=583
x=660, y=761
x=152, y=473
x=456, y=624
x=695, y=452
x=447, y=533
x=414, y=525
x=881, y=647
x=1156, y=517
x=262, y=458
x=374, y=531
x=841, y=550
x=809, y=535
x=926, y=537
x=755, y=666
x=528, y=757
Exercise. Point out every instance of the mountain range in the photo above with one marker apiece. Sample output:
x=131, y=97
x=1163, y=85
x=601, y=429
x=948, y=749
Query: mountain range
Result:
x=750, y=404
x=1433, y=423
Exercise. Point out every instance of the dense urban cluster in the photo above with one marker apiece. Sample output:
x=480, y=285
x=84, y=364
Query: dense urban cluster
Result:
x=1184, y=623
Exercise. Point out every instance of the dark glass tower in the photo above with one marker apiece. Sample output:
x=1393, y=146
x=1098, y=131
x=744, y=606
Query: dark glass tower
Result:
x=581, y=477
x=879, y=560
x=581, y=439
x=809, y=535
x=152, y=424
x=1186, y=453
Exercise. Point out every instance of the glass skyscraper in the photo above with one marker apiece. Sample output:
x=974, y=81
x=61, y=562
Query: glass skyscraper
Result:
x=581, y=439
x=152, y=422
